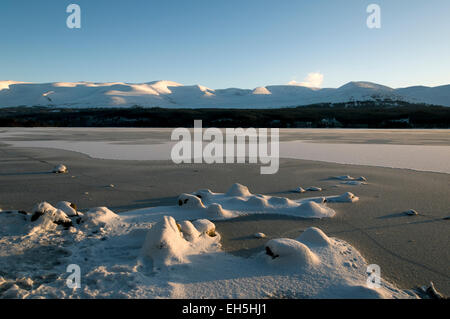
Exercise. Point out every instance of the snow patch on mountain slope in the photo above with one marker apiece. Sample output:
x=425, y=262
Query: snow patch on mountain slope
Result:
x=5, y=84
x=261, y=91
x=173, y=94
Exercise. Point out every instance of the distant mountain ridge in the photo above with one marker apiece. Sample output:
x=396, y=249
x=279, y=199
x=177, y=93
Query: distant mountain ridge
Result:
x=170, y=94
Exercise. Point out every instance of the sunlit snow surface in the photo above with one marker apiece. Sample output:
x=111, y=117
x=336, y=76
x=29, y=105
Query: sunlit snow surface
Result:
x=175, y=95
x=175, y=252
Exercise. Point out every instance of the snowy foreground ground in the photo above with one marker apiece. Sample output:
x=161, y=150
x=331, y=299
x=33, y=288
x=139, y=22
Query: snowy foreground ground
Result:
x=175, y=252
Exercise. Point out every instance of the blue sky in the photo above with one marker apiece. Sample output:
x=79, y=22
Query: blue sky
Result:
x=230, y=43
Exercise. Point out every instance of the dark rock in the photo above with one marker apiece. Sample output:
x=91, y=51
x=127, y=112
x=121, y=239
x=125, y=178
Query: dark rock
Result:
x=65, y=224
x=433, y=293
x=270, y=253
x=36, y=216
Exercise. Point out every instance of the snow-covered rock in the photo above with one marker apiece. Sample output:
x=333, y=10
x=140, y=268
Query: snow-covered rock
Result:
x=349, y=180
x=259, y=235
x=353, y=183
x=299, y=190
x=46, y=216
x=60, y=169
x=190, y=201
x=290, y=252
x=67, y=207
x=204, y=226
x=344, y=198
x=411, y=212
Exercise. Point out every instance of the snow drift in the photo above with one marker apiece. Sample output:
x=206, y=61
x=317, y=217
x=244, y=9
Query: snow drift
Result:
x=175, y=252
x=239, y=201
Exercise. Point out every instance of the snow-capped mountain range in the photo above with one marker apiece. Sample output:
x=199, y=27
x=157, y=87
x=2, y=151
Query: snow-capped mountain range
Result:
x=174, y=95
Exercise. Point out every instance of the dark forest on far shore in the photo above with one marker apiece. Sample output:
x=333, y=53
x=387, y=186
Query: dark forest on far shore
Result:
x=345, y=115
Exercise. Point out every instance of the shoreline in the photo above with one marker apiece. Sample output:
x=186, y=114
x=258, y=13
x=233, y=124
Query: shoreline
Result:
x=419, y=150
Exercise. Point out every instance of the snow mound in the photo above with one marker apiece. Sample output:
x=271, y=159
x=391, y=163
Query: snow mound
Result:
x=290, y=252
x=279, y=201
x=312, y=209
x=314, y=236
x=299, y=190
x=48, y=217
x=41, y=209
x=189, y=231
x=238, y=201
x=100, y=217
x=204, y=226
x=238, y=190
x=364, y=292
x=314, y=189
x=258, y=202
x=168, y=243
x=346, y=179
x=216, y=211
x=204, y=195
x=165, y=244
x=259, y=235
x=344, y=198
x=353, y=183
x=67, y=207
x=190, y=201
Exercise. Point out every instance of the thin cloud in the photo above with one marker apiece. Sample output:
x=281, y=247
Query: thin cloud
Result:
x=313, y=80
